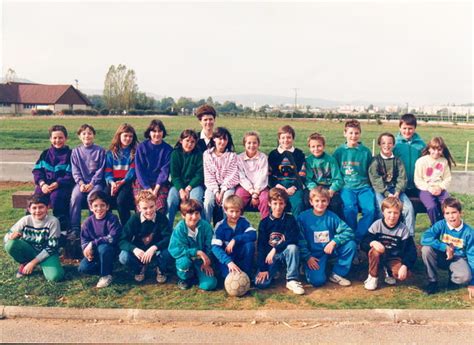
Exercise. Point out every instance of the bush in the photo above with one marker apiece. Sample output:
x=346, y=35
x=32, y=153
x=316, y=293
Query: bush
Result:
x=136, y=112
x=104, y=112
x=44, y=112
x=67, y=112
x=151, y=112
x=92, y=112
x=79, y=112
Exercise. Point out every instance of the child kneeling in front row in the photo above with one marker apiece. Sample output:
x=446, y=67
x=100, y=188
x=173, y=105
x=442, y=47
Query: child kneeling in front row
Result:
x=145, y=239
x=99, y=236
x=278, y=242
x=325, y=235
x=190, y=245
x=389, y=244
x=449, y=244
x=33, y=240
x=234, y=238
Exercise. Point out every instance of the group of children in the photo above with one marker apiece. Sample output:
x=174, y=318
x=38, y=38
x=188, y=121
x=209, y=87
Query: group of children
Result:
x=308, y=205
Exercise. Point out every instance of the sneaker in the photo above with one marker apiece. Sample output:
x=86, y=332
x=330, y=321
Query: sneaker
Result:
x=337, y=279
x=431, y=288
x=104, y=281
x=140, y=276
x=295, y=286
x=19, y=273
x=160, y=277
x=389, y=279
x=453, y=286
x=183, y=284
x=371, y=283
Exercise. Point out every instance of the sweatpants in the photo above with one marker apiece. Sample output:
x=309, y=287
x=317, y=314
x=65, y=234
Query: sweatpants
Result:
x=187, y=269
x=459, y=269
x=391, y=264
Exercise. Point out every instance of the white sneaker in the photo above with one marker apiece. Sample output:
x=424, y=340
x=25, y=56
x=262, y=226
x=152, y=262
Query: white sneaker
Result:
x=371, y=283
x=337, y=279
x=104, y=281
x=160, y=277
x=295, y=286
x=140, y=276
x=389, y=279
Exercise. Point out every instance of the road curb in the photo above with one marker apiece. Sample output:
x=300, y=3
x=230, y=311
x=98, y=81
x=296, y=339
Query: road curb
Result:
x=154, y=315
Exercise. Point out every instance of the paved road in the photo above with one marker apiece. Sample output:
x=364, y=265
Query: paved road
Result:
x=37, y=330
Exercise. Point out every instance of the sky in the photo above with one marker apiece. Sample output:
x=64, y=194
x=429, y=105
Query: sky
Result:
x=417, y=52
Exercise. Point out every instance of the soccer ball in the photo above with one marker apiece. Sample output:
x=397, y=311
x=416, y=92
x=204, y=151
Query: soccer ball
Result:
x=237, y=284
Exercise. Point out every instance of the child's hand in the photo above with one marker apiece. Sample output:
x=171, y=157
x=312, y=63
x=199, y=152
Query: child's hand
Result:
x=230, y=247
x=329, y=248
x=113, y=188
x=30, y=266
x=233, y=267
x=89, y=252
x=156, y=190
x=313, y=263
x=255, y=201
x=291, y=190
x=377, y=246
x=449, y=252
x=470, y=290
x=331, y=193
x=403, y=272
x=53, y=186
x=183, y=195
x=138, y=253
x=148, y=256
x=261, y=277
x=279, y=186
x=88, y=187
x=270, y=255
x=220, y=197
x=207, y=269
x=203, y=256
x=45, y=188
x=15, y=235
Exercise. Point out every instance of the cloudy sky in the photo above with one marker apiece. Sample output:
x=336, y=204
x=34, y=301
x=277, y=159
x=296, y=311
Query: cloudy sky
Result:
x=418, y=52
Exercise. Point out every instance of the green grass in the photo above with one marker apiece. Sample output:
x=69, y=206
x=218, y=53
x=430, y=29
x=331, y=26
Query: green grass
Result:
x=78, y=291
x=32, y=132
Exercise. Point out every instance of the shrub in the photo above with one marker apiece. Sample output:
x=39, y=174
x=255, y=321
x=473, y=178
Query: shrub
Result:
x=151, y=112
x=104, y=111
x=67, y=112
x=79, y=112
x=44, y=112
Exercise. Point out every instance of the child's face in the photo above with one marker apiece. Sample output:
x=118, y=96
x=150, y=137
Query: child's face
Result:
x=251, y=145
x=156, y=136
x=192, y=219
x=99, y=208
x=147, y=208
x=207, y=123
x=126, y=139
x=407, y=131
x=316, y=147
x=87, y=137
x=221, y=143
x=277, y=206
x=188, y=144
x=233, y=214
x=320, y=204
x=453, y=216
x=391, y=216
x=435, y=152
x=285, y=140
x=386, y=146
x=38, y=211
x=57, y=139
x=352, y=136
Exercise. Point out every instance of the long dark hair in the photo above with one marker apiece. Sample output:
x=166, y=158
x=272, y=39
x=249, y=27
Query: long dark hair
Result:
x=221, y=132
x=186, y=134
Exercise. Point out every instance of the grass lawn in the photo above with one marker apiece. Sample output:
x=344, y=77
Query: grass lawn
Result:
x=79, y=291
x=32, y=132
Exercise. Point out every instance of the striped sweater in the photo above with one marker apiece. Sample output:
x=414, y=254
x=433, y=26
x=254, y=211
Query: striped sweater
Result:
x=42, y=235
x=54, y=165
x=119, y=167
x=220, y=172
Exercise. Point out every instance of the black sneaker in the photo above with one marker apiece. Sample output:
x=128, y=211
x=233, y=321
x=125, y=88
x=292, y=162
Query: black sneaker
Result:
x=453, y=286
x=431, y=288
x=183, y=284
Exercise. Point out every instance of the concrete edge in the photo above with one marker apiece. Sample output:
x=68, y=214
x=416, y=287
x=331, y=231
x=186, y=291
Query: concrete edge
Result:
x=154, y=315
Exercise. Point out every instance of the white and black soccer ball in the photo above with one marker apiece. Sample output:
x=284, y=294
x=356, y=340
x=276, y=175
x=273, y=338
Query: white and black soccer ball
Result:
x=237, y=284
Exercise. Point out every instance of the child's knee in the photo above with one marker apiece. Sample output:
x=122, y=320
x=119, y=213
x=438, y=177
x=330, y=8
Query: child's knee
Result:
x=55, y=276
x=183, y=264
x=292, y=250
x=317, y=281
x=427, y=251
x=208, y=284
x=10, y=245
x=249, y=248
x=461, y=277
x=124, y=257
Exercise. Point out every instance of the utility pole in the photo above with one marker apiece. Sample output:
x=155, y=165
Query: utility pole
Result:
x=77, y=84
x=296, y=102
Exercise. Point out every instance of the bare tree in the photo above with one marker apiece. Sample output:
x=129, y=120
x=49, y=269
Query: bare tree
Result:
x=120, y=87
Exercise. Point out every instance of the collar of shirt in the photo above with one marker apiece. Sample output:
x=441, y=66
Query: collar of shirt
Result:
x=191, y=233
x=273, y=218
x=281, y=149
x=246, y=158
x=385, y=157
x=203, y=136
x=143, y=219
x=456, y=229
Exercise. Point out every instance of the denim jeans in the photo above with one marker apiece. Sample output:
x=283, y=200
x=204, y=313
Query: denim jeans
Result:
x=103, y=262
x=290, y=256
x=242, y=255
x=210, y=202
x=161, y=259
x=353, y=199
x=174, y=201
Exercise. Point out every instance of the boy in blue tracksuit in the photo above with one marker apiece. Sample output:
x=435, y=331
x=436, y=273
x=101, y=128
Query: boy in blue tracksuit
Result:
x=325, y=235
x=233, y=243
x=449, y=244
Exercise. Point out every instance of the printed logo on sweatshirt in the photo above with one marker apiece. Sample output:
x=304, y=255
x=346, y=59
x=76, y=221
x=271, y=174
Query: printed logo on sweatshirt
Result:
x=348, y=167
x=321, y=236
x=455, y=241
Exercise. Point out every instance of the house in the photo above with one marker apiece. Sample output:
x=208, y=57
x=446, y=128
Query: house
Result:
x=24, y=98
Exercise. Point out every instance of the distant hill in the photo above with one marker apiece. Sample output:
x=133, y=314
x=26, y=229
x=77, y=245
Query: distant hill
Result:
x=258, y=99
x=18, y=80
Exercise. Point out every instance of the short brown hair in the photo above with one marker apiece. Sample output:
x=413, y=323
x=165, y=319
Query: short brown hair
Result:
x=407, y=119
x=352, y=124
x=205, y=109
x=37, y=199
x=84, y=127
x=320, y=191
x=391, y=201
x=385, y=134
x=153, y=126
x=190, y=206
x=58, y=128
x=286, y=129
x=99, y=195
x=278, y=193
x=234, y=201
x=251, y=134
x=318, y=137
x=451, y=202
x=145, y=195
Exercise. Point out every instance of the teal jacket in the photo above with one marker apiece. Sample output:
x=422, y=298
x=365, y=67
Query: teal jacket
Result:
x=354, y=163
x=184, y=245
x=409, y=152
x=323, y=171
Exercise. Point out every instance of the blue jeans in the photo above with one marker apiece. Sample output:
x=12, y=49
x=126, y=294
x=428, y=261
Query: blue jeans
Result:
x=161, y=259
x=210, y=202
x=291, y=256
x=242, y=255
x=173, y=201
x=408, y=212
x=344, y=255
x=103, y=262
x=353, y=199
x=77, y=199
